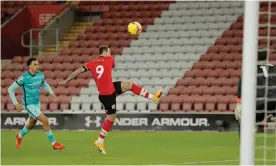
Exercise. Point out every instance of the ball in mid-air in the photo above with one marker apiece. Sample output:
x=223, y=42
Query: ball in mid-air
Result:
x=134, y=28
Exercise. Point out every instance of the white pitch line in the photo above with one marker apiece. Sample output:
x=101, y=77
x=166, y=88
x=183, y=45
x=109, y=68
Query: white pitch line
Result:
x=199, y=162
x=202, y=162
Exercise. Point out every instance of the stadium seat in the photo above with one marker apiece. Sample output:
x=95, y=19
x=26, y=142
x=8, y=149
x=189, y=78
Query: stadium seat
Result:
x=187, y=104
x=9, y=8
x=192, y=49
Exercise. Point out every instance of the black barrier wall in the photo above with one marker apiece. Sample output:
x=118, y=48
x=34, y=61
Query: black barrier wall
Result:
x=128, y=121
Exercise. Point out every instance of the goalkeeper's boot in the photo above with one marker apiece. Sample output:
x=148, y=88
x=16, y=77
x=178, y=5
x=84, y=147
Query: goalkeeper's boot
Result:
x=57, y=146
x=100, y=147
x=157, y=96
x=18, y=141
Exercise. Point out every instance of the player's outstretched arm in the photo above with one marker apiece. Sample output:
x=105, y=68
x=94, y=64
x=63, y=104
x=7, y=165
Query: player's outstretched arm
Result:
x=47, y=87
x=73, y=75
x=11, y=90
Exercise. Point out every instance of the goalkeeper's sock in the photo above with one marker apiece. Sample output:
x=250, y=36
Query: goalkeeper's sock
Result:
x=50, y=136
x=138, y=90
x=23, y=132
x=105, y=129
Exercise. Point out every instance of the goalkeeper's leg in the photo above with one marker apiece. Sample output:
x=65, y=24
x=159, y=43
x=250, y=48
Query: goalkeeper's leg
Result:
x=239, y=129
x=238, y=110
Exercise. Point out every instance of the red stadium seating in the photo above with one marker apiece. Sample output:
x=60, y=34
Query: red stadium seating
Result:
x=9, y=8
x=211, y=84
x=84, y=49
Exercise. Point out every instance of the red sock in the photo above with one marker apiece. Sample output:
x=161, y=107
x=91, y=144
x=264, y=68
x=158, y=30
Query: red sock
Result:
x=106, y=128
x=136, y=89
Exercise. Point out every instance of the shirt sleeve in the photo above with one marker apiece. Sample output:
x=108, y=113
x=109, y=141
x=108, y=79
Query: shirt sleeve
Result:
x=47, y=87
x=11, y=90
x=20, y=80
x=43, y=79
x=113, y=62
x=87, y=66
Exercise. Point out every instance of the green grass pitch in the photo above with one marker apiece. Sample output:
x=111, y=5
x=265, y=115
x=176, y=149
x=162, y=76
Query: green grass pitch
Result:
x=134, y=148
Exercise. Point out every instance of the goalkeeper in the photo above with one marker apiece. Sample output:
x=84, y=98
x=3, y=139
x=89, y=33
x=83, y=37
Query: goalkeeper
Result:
x=264, y=72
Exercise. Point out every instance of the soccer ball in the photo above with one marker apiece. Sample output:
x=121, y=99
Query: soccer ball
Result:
x=134, y=28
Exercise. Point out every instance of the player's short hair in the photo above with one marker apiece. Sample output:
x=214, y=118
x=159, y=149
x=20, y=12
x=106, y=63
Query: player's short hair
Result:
x=29, y=62
x=102, y=49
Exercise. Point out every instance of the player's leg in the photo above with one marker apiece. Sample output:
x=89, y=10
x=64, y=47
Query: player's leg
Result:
x=138, y=90
x=34, y=111
x=238, y=111
x=239, y=129
x=106, y=127
x=27, y=128
x=109, y=103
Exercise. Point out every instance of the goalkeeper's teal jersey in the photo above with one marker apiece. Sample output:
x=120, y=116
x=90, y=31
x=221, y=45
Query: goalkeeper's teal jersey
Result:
x=31, y=87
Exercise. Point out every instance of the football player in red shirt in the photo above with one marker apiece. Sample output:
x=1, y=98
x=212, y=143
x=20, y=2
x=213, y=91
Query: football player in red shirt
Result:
x=101, y=70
